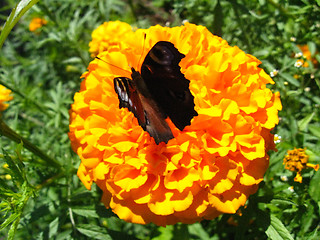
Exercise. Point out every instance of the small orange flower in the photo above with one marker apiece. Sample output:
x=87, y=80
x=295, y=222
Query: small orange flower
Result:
x=306, y=55
x=209, y=168
x=4, y=97
x=37, y=23
x=296, y=161
x=108, y=35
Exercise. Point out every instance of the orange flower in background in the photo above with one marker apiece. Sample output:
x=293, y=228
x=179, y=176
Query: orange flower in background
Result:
x=37, y=23
x=307, y=55
x=4, y=97
x=209, y=168
x=297, y=160
x=108, y=35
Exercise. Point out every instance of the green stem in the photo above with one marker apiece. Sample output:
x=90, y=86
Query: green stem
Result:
x=49, y=180
x=5, y=130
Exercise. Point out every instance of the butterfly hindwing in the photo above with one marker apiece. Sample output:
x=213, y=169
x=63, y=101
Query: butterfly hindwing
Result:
x=145, y=110
x=129, y=98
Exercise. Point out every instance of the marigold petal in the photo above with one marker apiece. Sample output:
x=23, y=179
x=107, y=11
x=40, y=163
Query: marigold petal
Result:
x=84, y=176
x=4, y=97
x=100, y=171
x=181, y=179
x=298, y=177
x=169, y=202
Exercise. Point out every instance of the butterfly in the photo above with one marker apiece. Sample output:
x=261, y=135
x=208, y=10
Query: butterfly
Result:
x=159, y=91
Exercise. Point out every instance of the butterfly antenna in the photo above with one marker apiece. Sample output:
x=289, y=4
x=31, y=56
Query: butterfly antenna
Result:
x=113, y=65
x=144, y=41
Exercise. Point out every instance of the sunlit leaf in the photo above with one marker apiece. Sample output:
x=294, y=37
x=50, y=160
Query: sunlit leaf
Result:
x=17, y=12
x=290, y=79
x=277, y=231
x=303, y=123
x=315, y=130
x=94, y=232
x=165, y=233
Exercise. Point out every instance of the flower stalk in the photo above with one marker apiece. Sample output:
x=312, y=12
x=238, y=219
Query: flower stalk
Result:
x=6, y=131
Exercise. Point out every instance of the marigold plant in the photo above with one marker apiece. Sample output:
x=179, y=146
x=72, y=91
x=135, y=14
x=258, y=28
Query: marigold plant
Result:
x=37, y=23
x=209, y=168
x=108, y=35
x=4, y=97
x=296, y=160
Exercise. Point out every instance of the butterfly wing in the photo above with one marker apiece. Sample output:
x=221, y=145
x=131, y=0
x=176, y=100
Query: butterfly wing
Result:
x=167, y=85
x=144, y=109
x=129, y=98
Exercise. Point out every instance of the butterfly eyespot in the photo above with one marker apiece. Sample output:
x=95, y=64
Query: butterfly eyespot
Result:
x=162, y=55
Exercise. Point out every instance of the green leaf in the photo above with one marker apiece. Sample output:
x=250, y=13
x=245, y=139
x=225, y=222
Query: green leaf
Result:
x=13, y=229
x=315, y=130
x=312, y=47
x=283, y=202
x=290, y=79
x=53, y=227
x=64, y=235
x=165, y=233
x=17, y=12
x=85, y=212
x=277, y=231
x=94, y=232
x=303, y=123
x=13, y=217
x=314, y=187
x=16, y=169
x=197, y=230
x=181, y=232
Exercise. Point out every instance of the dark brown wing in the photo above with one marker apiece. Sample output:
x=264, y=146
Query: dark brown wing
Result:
x=144, y=109
x=167, y=85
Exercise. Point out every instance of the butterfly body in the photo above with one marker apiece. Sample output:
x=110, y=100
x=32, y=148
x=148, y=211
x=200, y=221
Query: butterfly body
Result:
x=160, y=91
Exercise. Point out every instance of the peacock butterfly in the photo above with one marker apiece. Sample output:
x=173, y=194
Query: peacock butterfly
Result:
x=160, y=91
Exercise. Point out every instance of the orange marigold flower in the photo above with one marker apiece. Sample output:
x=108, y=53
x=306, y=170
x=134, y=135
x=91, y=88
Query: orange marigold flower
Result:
x=296, y=161
x=37, y=23
x=209, y=168
x=4, y=97
x=108, y=35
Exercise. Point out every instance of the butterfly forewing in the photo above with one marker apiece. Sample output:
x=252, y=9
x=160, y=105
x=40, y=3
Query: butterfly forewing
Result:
x=167, y=85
